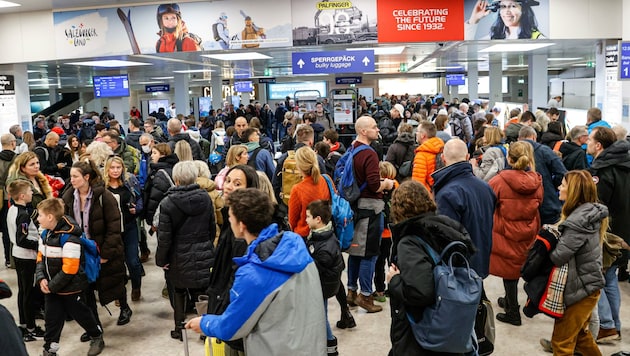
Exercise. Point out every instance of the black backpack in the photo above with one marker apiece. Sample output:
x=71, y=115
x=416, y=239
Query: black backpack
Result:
x=215, y=31
x=88, y=131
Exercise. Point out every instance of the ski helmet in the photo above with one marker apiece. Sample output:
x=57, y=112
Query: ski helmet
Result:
x=167, y=9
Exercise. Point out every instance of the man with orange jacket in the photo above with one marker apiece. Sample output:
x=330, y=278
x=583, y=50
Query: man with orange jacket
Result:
x=424, y=160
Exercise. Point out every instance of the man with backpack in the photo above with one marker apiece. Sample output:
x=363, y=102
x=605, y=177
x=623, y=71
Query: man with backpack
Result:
x=460, y=124
x=426, y=161
x=220, y=31
x=365, y=246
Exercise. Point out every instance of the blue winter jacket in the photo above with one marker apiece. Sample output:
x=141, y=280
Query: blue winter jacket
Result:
x=463, y=197
x=276, y=301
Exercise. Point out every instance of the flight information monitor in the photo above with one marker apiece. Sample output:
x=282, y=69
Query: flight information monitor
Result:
x=111, y=86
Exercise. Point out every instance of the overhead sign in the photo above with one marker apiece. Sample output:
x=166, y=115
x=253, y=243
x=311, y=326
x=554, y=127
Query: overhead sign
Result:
x=157, y=88
x=624, y=63
x=349, y=80
x=266, y=80
x=7, y=85
x=333, y=62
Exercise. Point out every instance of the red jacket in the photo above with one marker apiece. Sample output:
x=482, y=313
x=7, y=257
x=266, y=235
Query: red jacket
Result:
x=424, y=161
x=303, y=194
x=516, y=220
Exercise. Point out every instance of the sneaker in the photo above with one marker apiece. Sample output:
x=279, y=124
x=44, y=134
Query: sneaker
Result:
x=177, y=334
x=96, y=346
x=352, y=295
x=38, y=333
x=125, y=316
x=85, y=337
x=379, y=297
x=28, y=337
x=606, y=335
x=367, y=303
x=49, y=353
x=546, y=345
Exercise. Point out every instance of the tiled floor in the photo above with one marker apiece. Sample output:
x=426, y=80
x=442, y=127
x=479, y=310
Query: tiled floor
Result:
x=148, y=332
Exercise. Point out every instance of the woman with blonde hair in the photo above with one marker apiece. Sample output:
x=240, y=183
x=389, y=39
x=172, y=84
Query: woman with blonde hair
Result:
x=312, y=187
x=493, y=155
x=183, y=151
x=25, y=166
x=29, y=139
x=237, y=154
x=519, y=193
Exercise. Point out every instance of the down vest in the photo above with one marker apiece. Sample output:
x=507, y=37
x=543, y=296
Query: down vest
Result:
x=185, y=236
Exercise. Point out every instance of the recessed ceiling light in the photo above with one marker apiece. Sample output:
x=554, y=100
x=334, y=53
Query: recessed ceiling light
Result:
x=516, y=47
x=381, y=50
x=39, y=80
x=517, y=65
x=162, y=78
x=110, y=63
x=153, y=82
x=243, y=56
x=193, y=71
x=8, y=4
x=564, y=59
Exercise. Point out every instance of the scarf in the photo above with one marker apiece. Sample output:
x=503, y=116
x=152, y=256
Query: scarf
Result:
x=82, y=216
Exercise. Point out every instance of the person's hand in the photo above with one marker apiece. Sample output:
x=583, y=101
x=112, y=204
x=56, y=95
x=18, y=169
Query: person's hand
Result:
x=104, y=260
x=43, y=285
x=194, y=324
x=479, y=11
x=473, y=162
x=60, y=165
x=132, y=210
x=393, y=270
x=166, y=266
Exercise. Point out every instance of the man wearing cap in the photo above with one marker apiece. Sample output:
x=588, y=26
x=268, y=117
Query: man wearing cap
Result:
x=221, y=32
x=397, y=114
x=554, y=101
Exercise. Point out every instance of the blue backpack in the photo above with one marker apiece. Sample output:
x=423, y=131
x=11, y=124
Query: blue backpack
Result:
x=90, y=258
x=448, y=324
x=342, y=216
x=344, y=175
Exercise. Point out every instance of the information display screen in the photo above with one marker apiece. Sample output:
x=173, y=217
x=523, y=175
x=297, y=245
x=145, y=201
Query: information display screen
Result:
x=244, y=87
x=455, y=79
x=111, y=86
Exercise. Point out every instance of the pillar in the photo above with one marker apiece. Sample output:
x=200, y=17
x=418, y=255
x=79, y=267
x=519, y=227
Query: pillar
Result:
x=538, y=83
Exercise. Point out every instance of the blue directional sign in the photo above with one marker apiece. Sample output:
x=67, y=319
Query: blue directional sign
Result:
x=624, y=63
x=333, y=62
x=157, y=88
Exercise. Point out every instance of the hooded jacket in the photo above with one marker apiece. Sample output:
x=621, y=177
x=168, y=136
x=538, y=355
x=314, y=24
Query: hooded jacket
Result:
x=157, y=185
x=424, y=161
x=516, y=220
x=467, y=199
x=511, y=132
x=573, y=156
x=402, y=149
x=60, y=263
x=324, y=248
x=465, y=122
x=6, y=158
x=276, y=300
x=579, y=246
x=549, y=139
x=492, y=161
x=612, y=170
x=414, y=288
x=185, y=236
x=194, y=146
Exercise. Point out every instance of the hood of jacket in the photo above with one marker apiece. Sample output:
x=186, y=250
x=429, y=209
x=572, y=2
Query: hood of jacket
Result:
x=433, y=145
x=284, y=252
x=165, y=162
x=406, y=138
x=180, y=136
x=569, y=147
x=586, y=218
x=456, y=170
x=7, y=155
x=615, y=155
x=206, y=184
x=522, y=182
x=191, y=200
x=459, y=115
x=67, y=225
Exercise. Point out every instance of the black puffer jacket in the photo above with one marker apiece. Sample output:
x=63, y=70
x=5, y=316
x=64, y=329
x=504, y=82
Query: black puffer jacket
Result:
x=324, y=248
x=550, y=138
x=402, y=149
x=185, y=235
x=157, y=185
x=573, y=156
x=50, y=265
x=413, y=289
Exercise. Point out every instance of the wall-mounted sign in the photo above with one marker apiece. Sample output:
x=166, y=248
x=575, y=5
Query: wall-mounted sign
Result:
x=333, y=62
x=349, y=80
x=157, y=88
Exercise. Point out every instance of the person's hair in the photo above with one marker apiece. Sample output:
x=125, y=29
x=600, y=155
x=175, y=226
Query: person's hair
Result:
x=189, y=122
x=202, y=169
x=581, y=189
x=555, y=127
x=309, y=117
x=183, y=151
x=493, y=135
x=594, y=115
x=322, y=149
x=305, y=134
x=147, y=136
x=150, y=120
x=526, y=132
x=17, y=187
x=29, y=139
x=604, y=136
x=255, y=123
x=410, y=199
x=306, y=161
x=113, y=134
x=578, y=131
x=163, y=148
x=100, y=127
x=264, y=184
x=527, y=116
x=440, y=122
x=53, y=206
x=185, y=173
x=252, y=207
x=219, y=124
x=251, y=177
x=288, y=115
x=88, y=167
x=428, y=128
x=70, y=138
x=6, y=139
x=620, y=132
x=405, y=127
x=20, y=162
x=521, y=156
x=331, y=135
x=527, y=24
x=553, y=111
x=108, y=164
x=135, y=122
x=233, y=153
x=387, y=170
x=14, y=129
x=489, y=118
x=247, y=133
x=515, y=112
x=99, y=152
x=322, y=209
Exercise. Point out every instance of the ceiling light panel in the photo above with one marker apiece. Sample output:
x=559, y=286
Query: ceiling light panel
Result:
x=112, y=63
x=8, y=4
x=516, y=47
x=244, y=56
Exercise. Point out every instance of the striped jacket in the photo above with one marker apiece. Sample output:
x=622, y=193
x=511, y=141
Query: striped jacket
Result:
x=60, y=264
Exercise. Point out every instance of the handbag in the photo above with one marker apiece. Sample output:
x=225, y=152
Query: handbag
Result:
x=484, y=327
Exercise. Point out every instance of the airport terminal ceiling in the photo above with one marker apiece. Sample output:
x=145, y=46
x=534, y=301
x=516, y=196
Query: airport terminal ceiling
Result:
x=419, y=58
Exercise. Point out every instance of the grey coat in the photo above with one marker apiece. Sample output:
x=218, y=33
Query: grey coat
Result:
x=579, y=245
x=492, y=161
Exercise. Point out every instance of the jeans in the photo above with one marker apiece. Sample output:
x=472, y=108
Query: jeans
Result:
x=329, y=334
x=361, y=268
x=610, y=301
x=130, y=240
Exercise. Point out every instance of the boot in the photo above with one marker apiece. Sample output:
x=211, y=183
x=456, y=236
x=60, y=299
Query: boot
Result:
x=96, y=346
x=125, y=316
x=512, y=314
x=332, y=347
x=501, y=302
x=347, y=321
x=367, y=303
x=352, y=295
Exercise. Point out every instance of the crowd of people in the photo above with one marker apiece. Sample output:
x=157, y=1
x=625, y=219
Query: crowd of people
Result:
x=241, y=205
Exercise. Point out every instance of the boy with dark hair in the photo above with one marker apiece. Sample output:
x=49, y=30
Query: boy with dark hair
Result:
x=324, y=248
x=24, y=237
x=61, y=278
